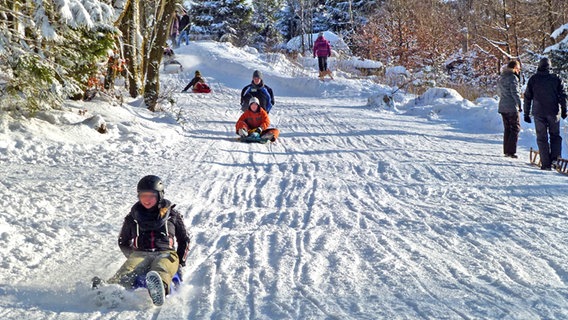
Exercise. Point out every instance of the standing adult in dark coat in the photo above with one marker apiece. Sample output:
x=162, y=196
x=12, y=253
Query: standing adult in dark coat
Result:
x=184, y=25
x=510, y=106
x=546, y=95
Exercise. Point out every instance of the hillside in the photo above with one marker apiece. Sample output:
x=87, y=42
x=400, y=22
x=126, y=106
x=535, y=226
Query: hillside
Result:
x=356, y=212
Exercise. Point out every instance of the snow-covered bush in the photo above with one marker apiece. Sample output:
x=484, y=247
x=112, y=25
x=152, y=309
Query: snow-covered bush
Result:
x=558, y=53
x=57, y=50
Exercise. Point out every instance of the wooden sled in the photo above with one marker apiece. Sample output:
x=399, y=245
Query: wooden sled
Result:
x=322, y=74
x=560, y=166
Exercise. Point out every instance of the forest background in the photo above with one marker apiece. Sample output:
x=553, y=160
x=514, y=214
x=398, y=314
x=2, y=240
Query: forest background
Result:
x=57, y=49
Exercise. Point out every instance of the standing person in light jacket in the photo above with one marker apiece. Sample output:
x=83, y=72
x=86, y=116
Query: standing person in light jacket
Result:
x=510, y=106
x=322, y=50
x=546, y=95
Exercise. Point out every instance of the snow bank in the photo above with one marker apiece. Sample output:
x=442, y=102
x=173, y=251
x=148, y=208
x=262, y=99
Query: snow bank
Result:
x=54, y=135
x=336, y=42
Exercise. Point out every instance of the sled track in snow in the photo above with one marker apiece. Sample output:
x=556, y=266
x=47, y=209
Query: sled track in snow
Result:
x=353, y=213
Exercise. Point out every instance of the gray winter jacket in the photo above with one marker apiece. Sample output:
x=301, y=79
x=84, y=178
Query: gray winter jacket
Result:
x=509, y=92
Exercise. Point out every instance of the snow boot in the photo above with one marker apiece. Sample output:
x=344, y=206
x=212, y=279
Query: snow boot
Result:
x=268, y=136
x=321, y=75
x=97, y=282
x=155, y=288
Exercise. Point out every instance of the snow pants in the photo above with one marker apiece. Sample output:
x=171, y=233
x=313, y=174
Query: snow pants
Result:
x=183, y=35
x=322, y=63
x=270, y=133
x=512, y=127
x=546, y=126
x=166, y=263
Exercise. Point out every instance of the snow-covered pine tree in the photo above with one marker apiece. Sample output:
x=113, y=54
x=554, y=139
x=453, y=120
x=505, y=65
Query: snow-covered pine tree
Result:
x=265, y=23
x=223, y=19
x=48, y=49
x=288, y=20
x=341, y=16
x=558, y=53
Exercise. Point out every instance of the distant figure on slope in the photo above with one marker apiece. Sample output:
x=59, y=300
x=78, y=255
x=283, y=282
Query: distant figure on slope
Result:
x=169, y=58
x=184, y=25
x=259, y=90
x=510, y=106
x=197, y=84
x=147, y=240
x=255, y=121
x=545, y=93
x=322, y=50
x=174, y=29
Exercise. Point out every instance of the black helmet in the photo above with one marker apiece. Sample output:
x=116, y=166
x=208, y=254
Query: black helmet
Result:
x=151, y=183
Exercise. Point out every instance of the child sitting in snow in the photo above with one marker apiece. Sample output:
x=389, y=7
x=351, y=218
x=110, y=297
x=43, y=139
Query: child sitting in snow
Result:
x=255, y=121
x=197, y=84
x=169, y=58
x=147, y=240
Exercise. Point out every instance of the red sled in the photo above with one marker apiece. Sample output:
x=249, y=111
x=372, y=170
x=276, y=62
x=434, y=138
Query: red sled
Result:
x=201, y=88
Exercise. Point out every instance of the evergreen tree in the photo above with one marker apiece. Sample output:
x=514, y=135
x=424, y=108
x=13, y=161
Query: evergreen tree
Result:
x=223, y=19
x=341, y=16
x=49, y=49
x=559, y=52
x=265, y=23
x=289, y=21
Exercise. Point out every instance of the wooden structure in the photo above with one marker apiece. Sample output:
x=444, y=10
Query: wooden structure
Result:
x=561, y=164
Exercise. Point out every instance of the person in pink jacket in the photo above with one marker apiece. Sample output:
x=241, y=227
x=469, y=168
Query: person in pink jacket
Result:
x=322, y=50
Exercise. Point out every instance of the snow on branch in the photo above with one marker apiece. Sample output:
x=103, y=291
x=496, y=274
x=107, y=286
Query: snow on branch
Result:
x=496, y=45
x=558, y=32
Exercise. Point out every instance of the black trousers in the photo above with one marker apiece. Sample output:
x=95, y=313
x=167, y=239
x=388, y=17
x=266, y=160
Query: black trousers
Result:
x=512, y=127
x=322, y=62
x=546, y=126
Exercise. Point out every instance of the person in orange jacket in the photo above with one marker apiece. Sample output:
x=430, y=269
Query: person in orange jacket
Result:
x=255, y=120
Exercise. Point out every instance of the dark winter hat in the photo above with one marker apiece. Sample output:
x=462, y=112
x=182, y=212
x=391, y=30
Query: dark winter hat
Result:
x=197, y=73
x=257, y=74
x=544, y=64
x=153, y=184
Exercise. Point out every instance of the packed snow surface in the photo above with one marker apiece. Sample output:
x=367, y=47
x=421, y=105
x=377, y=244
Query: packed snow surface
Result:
x=356, y=212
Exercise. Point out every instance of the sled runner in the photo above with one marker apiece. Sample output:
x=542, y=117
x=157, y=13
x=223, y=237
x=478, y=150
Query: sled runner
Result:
x=325, y=73
x=560, y=165
x=535, y=157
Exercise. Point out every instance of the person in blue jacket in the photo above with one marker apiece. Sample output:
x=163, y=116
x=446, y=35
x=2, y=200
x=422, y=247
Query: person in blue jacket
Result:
x=259, y=90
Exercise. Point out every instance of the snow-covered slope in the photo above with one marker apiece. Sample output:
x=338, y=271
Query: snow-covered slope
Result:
x=357, y=212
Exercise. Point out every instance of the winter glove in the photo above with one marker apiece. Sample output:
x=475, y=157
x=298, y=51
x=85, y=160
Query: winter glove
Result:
x=242, y=132
x=257, y=130
x=528, y=118
x=564, y=115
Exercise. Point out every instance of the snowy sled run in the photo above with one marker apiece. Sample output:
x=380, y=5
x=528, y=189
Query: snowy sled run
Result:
x=560, y=165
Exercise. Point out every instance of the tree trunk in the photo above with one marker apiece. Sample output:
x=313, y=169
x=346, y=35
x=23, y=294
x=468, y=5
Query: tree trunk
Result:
x=131, y=47
x=160, y=33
